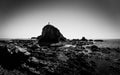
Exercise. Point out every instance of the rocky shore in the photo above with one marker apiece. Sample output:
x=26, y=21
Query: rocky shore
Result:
x=52, y=54
x=81, y=58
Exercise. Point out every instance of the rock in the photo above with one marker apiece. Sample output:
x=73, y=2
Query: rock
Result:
x=62, y=57
x=33, y=38
x=22, y=50
x=4, y=52
x=84, y=39
x=11, y=59
x=69, y=45
x=94, y=48
x=99, y=40
x=50, y=35
x=34, y=59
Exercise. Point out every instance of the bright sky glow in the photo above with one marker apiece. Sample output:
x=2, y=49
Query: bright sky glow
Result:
x=74, y=21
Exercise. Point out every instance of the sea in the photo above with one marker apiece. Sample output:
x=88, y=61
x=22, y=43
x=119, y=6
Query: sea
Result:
x=111, y=43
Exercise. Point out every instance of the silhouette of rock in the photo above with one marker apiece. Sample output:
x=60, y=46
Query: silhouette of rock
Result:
x=50, y=35
x=34, y=38
x=84, y=39
x=98, y=40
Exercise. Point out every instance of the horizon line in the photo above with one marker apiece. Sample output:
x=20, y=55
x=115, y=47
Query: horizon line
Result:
x=67, y=38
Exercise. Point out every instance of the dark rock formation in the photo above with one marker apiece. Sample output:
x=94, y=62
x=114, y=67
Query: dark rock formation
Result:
x=98, y=40
x=11, y=59
x=94, y=48
x=33, y=38
x=84, y=39
x=50, y=34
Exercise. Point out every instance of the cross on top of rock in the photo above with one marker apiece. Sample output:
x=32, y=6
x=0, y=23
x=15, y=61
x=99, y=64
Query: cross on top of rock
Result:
x=49, y=23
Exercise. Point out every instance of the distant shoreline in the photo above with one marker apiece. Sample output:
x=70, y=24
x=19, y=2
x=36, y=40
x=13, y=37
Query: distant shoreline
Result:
x=30, y=38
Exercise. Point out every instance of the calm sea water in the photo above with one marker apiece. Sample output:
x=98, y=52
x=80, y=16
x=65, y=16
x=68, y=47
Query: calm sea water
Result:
x=112, y=43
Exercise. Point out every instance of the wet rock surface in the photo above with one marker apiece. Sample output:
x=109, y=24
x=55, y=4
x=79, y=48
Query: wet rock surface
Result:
x=24, y=57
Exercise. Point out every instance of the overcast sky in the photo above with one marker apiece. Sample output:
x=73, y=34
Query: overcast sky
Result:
x=94, y=19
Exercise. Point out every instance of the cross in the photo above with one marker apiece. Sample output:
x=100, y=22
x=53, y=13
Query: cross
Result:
x=48, y=23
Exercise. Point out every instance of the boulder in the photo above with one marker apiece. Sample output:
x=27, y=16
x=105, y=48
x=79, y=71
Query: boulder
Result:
x=94, y=48
x=12, y=58
x=50, y=35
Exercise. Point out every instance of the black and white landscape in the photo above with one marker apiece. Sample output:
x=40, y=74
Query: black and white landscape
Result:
x=59, y=37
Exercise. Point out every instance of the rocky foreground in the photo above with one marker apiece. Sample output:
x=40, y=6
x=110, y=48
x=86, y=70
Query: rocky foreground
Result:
x=26, y=57
x=52, y=54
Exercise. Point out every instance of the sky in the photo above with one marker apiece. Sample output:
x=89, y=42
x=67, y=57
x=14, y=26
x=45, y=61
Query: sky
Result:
x=94, y=19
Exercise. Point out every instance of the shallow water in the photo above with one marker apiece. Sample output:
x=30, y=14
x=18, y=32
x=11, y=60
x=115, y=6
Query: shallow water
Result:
x=112, y=43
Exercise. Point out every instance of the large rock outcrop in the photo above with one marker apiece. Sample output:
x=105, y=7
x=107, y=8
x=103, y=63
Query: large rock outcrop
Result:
x=50, y=34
